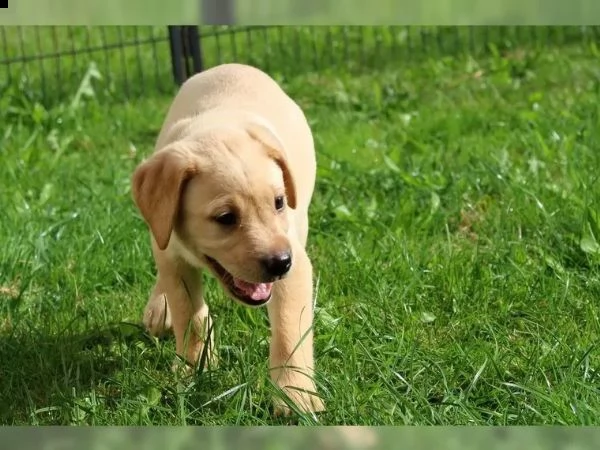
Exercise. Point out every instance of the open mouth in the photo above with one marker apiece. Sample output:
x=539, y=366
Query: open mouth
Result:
x=250, y=294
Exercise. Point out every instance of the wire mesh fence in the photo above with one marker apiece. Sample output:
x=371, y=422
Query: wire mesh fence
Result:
x=50, y=64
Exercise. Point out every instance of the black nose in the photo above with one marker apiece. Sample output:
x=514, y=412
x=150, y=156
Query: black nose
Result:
x=277, y=265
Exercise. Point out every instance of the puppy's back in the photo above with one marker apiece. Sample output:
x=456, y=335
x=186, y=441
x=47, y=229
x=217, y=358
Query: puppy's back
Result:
x=230, y=86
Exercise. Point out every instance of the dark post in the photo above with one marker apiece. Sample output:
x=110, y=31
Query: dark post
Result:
x=217, y=12
x=177, y=54
x=186, y=55
x=194, y=50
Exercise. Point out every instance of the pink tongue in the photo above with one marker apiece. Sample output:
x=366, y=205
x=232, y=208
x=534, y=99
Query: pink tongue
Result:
x=257, y=292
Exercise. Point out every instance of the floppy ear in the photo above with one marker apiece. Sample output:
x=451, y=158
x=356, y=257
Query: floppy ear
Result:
x=276, y=151
x=157, y=184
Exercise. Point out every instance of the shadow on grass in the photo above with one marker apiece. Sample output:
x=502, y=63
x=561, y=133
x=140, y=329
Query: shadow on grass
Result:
x=48, y=375
x=94, y=377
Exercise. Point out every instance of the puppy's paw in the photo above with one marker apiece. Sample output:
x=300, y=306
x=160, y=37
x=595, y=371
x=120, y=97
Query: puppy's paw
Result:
x=304, y=398
x=157, y=316
x=209, y=359
x=184, y=368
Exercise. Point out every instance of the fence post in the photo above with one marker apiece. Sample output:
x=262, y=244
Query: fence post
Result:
x=194, y=49
x=177, y=54
x=184, y=43
x=217, y=12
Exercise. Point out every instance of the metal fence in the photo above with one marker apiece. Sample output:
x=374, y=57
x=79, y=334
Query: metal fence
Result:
x=49, y=64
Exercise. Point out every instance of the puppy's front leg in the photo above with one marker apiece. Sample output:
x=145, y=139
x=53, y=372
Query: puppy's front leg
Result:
x=291, y=350
x=181, y=284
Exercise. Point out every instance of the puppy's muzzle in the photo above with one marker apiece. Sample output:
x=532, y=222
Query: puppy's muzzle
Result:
x=277, y=265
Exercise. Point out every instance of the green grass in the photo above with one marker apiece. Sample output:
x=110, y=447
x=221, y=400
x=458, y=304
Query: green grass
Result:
x=455, y=239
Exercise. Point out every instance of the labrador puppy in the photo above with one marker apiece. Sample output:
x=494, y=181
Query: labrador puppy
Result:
x=227, y=190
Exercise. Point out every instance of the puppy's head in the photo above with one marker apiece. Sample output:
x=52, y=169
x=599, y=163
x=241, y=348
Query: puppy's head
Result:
x=223, y=200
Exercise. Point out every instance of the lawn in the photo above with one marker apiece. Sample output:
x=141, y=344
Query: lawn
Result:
x=455, y=239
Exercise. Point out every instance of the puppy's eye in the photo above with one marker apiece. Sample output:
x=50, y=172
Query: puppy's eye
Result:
x=227, y=219
x=279, y=202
